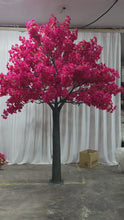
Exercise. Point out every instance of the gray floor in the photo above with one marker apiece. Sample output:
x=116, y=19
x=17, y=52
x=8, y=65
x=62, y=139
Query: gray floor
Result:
x=87, y=194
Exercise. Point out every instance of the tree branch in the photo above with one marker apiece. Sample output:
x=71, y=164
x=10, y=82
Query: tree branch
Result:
x=63, y=101
x=51, y=106
x=71, y=90
x=75, y=103
x=53, y=62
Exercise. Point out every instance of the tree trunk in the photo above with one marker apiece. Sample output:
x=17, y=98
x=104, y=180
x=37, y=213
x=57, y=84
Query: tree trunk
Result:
x=56, y=163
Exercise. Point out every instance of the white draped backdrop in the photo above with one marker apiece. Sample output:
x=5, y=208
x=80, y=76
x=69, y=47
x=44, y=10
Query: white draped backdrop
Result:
x=26, y=137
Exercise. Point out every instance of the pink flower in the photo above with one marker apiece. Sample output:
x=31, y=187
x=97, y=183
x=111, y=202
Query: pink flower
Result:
x=2, y=159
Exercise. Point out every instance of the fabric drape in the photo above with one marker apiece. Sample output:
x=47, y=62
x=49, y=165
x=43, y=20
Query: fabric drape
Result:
x=26, y=137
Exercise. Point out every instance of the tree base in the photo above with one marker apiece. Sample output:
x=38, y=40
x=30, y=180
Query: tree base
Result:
x=56, y=181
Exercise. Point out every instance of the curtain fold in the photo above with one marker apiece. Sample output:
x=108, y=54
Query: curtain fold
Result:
x=26, y=137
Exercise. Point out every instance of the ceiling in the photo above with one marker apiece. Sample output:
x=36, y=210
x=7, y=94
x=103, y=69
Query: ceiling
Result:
x=82, y=12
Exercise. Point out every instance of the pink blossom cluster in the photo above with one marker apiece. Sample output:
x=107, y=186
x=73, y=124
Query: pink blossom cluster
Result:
x=2, y=159
x=50, y=67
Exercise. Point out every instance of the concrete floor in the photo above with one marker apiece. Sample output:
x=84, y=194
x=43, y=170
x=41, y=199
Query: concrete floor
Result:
x=87, y=194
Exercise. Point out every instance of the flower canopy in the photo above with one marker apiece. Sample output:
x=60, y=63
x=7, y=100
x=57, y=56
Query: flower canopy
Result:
x=50, y=67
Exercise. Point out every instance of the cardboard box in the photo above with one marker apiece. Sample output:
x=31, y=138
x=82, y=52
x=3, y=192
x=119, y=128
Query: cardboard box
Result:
x=88, y=158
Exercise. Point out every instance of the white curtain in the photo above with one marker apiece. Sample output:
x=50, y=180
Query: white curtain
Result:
x=26, y=137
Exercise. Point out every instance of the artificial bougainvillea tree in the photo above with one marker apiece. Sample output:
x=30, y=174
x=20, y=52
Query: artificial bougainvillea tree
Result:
x=49, y=67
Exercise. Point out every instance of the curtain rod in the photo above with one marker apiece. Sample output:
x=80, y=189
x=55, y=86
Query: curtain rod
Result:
x=22, y=29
